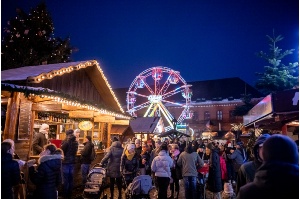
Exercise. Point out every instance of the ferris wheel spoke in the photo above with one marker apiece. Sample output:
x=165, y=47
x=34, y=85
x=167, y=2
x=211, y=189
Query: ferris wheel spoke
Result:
x=175, y=103
x=165, y=87
x=136, y=108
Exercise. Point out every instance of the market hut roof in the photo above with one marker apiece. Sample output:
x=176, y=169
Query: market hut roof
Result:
x=36, y=75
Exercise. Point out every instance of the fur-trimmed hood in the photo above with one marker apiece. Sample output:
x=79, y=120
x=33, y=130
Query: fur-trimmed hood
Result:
x=50, y=157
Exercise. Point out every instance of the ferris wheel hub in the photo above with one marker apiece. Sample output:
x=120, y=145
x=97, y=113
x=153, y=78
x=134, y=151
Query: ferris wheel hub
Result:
x=155, y=98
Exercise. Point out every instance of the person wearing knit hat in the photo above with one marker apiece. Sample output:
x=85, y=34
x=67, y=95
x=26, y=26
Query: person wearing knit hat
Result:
x=129, y=163
x=247, y=170
x=40, y=139
x=278, y=176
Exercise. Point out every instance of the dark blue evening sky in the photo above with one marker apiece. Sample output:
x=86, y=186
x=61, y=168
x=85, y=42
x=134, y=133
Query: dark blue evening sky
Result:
x=203, y=39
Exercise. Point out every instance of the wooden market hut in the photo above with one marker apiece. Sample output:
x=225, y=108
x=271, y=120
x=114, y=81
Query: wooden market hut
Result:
x=65, y=95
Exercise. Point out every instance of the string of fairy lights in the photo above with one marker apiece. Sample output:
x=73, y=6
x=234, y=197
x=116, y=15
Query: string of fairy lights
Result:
x=52, y=74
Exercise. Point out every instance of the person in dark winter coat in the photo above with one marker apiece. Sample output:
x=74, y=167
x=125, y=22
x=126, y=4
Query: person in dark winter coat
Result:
x=214, y=181
x=47, y=177
x=40, y=139
x=175, y=171
x=69, y=147
x=189, y=161
x=10, y=171
x=145, y=167
x=85, y=158
x=246, y=172
x=278, y=176
x=239, y=157
x=129, y=163
x=113, y=160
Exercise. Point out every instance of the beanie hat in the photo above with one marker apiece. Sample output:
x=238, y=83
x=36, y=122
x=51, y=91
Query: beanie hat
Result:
x=130, y=146
x=89, y=137
x=202, y=146
x=260, y=140
x=240, y=144
x=137, y=141
x=280, y=148
x=69, y=131
x=158, y=142
x=115, y=139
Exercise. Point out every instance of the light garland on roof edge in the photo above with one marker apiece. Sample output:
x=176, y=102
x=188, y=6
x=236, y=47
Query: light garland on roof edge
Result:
x=53, y=73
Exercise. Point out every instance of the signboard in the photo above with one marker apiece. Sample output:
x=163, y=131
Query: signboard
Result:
x=24, y=120
x=85, y=125
x=81, y=114
x=47, y=107
x=106, y=119
x=122, y=122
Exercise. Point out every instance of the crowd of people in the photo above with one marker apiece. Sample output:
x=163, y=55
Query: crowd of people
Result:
x=223, y=170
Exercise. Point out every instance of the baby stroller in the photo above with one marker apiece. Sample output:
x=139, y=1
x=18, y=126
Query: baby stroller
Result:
x=95, y=184
x=139, y=188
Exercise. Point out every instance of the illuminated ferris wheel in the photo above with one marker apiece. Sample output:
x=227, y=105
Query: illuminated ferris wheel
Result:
x=155, y=87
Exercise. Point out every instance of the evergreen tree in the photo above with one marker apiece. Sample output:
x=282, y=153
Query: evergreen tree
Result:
x=277, y=76
x=243, y=109
x=29, y=40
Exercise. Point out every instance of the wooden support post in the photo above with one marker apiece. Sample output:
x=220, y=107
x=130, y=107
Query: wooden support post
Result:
x=12, y=115
x=108, y=134
x=31, y=134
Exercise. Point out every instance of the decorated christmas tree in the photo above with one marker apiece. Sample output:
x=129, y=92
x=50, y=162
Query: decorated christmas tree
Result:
x=29, y=40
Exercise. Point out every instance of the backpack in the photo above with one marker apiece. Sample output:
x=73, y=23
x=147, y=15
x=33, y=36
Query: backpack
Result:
x=93, y=154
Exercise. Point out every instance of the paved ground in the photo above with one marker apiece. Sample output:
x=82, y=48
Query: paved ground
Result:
x=77, y=193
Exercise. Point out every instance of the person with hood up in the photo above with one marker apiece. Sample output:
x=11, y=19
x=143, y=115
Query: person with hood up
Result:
x=40, y=139
x=10, y=171
x=113, y=160
x=278, y=176
x=85, y=158
x=247, y=170
x=129, y=163
x=238, y=157
x=189, y=161
x=47, y=176
x=161, y=166
x=214, y=181
x=70, y=148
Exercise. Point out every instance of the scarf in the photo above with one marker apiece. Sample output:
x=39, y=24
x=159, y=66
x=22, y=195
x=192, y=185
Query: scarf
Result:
x=129, y=155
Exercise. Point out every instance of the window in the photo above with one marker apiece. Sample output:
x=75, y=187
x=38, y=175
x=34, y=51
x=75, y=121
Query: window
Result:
x=206, y=115
x=195, y=116
x=219, y=115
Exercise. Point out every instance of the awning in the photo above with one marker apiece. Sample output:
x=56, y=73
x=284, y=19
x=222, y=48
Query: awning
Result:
x=118, y=129
x=274, y=110
x=147, y=125
x=172, y=134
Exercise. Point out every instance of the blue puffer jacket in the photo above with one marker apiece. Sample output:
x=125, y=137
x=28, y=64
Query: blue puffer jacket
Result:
x=47, y=177
x=10, y=175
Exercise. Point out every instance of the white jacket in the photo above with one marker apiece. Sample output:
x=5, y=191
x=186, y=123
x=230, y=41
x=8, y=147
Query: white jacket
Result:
x=161, y=164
